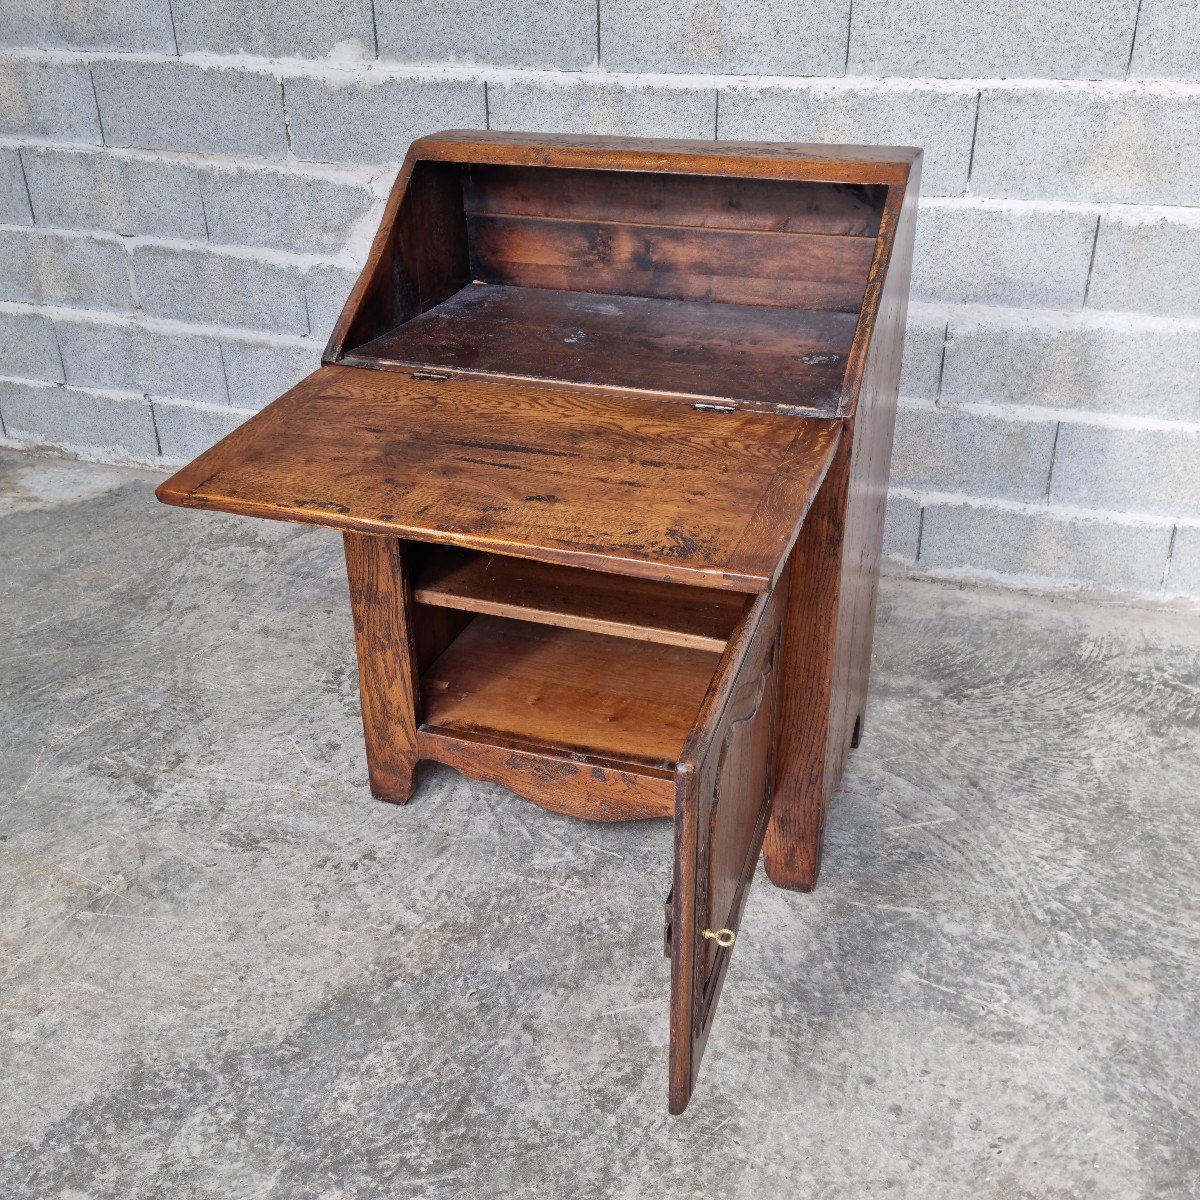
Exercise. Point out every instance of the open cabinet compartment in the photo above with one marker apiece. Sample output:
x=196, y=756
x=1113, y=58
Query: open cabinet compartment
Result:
x=569, y=666
x=725, y=289
x=605, y=424
x=645, y=610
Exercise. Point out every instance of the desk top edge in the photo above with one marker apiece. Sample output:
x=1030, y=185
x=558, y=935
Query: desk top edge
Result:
x=833, y=162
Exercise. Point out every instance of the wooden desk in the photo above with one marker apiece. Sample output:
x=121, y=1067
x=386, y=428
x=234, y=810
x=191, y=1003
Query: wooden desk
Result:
x=606, y=426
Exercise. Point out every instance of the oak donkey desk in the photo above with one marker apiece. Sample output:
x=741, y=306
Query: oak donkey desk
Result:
x=606, y=426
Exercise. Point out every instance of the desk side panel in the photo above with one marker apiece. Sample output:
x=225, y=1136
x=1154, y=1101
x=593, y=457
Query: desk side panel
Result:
x=834, y=576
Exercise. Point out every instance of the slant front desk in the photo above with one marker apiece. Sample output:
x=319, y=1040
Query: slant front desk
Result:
x=606, y=426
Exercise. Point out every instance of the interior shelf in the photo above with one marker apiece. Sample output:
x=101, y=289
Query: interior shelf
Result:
x=545, y=593
x=747, y=352
x=575, y=691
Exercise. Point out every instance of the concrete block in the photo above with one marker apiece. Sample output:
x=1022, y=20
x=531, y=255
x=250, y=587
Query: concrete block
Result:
x=110, y=25
x=1183, y=577
x=1080, y=143
x=989, y=254
x=326, y=289
x=922, y=365
x=129, y=357
x=45, y=99
x=1053, y=39
x=900, y=114
x=179, y=106
x=39, y=267
x=359, y=119
x=727, y=37
x=14, y=196
x=560, y=34
x=90, y=423
x=258, y=373
x=212, y=288
x=1168, y=41
x=1103, y=364
x=185, y=430
x=953, y=450
x=1148, y=266
x=28, y=348
x=1128, y=470
x=283, y=209
x=88, y=189
x=275, y=29
x=602, y=106
x=1044, y=546
x=901, y=528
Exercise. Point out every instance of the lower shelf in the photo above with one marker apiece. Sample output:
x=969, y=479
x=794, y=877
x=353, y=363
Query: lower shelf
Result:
x=568, y=692
x=549, y=594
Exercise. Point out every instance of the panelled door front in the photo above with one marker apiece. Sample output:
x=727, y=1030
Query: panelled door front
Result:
x=723, y=797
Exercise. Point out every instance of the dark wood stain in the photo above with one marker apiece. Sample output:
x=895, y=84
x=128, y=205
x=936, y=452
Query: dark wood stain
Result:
x=717, y=498
x=724, y=352
x=606, y=426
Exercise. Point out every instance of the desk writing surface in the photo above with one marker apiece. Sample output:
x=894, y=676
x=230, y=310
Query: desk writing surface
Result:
x=614, y=481
x=755, y=353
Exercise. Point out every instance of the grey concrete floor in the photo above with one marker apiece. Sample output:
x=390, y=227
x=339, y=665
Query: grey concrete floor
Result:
x=229, y=973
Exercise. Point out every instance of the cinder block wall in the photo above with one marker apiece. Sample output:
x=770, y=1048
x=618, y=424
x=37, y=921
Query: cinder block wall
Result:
x=186, y=190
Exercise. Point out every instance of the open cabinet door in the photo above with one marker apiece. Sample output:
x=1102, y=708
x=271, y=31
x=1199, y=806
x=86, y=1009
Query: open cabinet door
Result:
x=724, y=785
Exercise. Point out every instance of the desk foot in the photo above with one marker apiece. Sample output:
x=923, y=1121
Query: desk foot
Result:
x=397, y=790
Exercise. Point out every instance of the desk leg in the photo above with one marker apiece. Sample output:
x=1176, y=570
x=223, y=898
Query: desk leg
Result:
x=805, y=771
x=387, y=676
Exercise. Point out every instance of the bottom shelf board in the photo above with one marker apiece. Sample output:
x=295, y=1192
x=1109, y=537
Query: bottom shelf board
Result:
x=569, y=689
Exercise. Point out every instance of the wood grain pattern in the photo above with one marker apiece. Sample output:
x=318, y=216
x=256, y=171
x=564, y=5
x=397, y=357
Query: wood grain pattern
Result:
x=812, y=581
x=381, y=605
x=434, y=627
x=423, y=238
x=689, y=201
x=742, y=792
x=719, y=266
x=448, y=156
x=795, y=359
x=606, y=481
x=548, y=594
x=722, y=806
x=565, y=688
x=835, y=571
x=590, y=789
x=872, y=430
x=612, y=535
x=825, y=162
